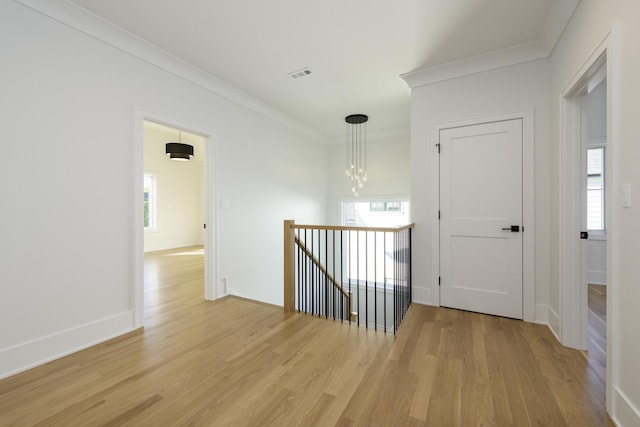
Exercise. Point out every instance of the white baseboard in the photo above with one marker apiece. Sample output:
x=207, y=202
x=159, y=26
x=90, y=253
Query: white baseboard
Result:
x=421, y=295
x=624, y=413
x=542, y=314
x=554, y=323
x=30, y=354
x=546, y=316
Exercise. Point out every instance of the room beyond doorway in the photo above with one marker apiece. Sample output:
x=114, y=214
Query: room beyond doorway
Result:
x=174, y=194
x=170, y=276
x=189, y=216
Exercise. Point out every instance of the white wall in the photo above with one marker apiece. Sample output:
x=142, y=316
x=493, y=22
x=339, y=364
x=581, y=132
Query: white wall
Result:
x=596, y=110
x=591, y=22
x=68, y=112
x=179, y=191
x=388, y=170
x=504, y=90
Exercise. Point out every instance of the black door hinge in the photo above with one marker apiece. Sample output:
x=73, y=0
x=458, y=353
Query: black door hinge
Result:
x=438, y=214
x=438, y=147
x=439, y=280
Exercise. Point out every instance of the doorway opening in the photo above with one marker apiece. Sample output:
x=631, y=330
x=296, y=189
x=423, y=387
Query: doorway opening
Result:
x=586, y=175
x=587, y=104
x=594, y=213
x=174, y=236
x=173, y=211
x=601, y=68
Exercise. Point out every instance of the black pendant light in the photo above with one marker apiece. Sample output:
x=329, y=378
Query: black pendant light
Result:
x=357, y=150
x=178, y=151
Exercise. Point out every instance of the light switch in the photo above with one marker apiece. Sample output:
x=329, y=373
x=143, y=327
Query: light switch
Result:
x=626, y=195
x=224, y=204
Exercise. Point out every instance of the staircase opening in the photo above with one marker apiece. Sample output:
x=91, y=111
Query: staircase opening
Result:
x=360, y=275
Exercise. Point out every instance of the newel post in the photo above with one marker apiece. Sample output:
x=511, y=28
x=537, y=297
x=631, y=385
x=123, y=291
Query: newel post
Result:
x=289, y=261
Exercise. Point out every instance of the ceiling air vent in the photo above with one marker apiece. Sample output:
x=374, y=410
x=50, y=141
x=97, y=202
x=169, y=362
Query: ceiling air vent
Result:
x=300, y=73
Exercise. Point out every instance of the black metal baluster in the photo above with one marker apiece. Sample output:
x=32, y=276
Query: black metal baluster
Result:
x=410, y=270
x=404, y=275
x=317, y=281
x=341, y=279
x=407, y=268
x=395, y=284
x=375, y=281
x=358, y=273
x=312, y=278
x=366, y=278
x=384, y=267
x=333, y=273
x=319, y=276
x=326, y=279
x=349, y=274
x=402, y=271
x=305, y=288
x=400, y=283
x=298, y=278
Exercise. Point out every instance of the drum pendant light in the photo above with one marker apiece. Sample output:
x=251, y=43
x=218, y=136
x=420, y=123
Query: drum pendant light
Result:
x=178, y=151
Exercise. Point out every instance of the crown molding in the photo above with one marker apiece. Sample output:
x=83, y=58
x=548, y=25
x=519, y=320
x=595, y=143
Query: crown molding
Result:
x=100, y=29
x=557, y=19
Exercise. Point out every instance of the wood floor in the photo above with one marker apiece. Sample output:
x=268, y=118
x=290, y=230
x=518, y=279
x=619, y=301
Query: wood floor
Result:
x=237, y=362
x=597, y=329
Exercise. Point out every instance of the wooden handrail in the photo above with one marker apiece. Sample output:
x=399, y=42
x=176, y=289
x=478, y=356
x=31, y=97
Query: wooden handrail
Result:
x=345, y=228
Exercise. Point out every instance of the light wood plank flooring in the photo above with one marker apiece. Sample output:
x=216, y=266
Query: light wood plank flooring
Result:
x=237, y=362
x=597, y=329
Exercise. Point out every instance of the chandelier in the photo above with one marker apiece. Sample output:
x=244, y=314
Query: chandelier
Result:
x=356, y=125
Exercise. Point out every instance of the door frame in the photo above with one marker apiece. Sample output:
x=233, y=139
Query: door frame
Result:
x=211, y=291
x=573, y=298
x=528, y=204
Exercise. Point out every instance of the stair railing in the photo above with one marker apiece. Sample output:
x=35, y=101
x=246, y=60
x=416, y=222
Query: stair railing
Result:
x=357, y=274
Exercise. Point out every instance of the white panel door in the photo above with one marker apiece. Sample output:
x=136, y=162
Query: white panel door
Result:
x=480, y=201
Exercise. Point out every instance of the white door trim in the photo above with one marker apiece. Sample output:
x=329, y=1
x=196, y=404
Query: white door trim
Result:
x=211, y=291
x=528, y=205
x=573, y=304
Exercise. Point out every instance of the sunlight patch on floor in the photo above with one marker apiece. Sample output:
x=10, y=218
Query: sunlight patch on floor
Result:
x=197, y=252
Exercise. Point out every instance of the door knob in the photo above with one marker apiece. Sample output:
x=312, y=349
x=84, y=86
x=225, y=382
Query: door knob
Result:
x=513, y=228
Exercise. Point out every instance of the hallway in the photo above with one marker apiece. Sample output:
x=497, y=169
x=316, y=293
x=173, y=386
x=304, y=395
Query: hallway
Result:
x=238, y=362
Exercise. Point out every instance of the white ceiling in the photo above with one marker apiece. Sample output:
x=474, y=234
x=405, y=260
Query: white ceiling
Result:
x=356, y=49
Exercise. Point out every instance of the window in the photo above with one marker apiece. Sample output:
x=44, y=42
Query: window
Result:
x=149, y=202
x=385, y=206
x=377, y=207
x=595, y=189
x=375, y=213
x=371, y=213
